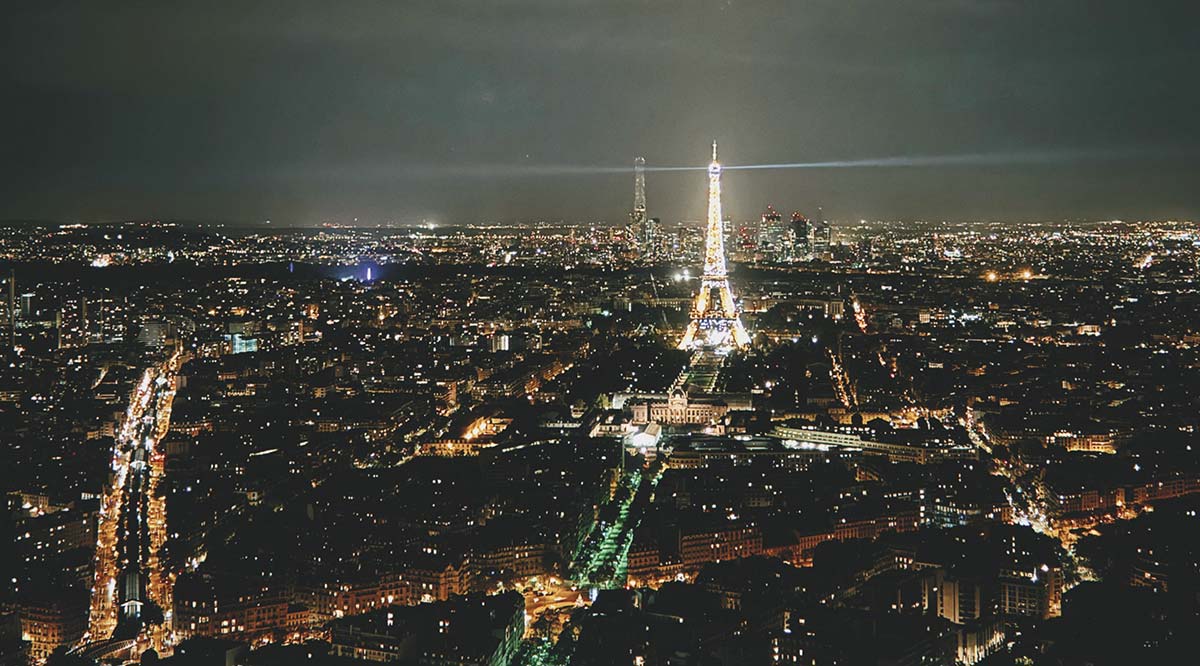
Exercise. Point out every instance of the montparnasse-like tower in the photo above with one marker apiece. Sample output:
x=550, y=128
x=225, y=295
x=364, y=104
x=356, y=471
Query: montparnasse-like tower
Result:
x=638, y=215
x=715, y=324
x=635, y=231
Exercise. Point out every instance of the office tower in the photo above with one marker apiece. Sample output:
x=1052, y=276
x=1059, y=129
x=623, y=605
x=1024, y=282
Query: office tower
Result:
x=802, y=232
x=652, y=239
x=772, y=235
x=822, y=236
x=640, y=227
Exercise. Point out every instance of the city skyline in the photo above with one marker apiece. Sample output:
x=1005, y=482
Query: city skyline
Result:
x=976, y=444
x=439, y=333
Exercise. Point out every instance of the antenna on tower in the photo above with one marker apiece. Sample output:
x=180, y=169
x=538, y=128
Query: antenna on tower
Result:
x=714, y=150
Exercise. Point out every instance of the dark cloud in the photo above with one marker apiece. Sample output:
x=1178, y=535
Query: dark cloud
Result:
x=304, y=111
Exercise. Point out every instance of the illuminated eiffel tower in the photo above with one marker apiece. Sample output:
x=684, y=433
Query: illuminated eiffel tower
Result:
x=715, y=324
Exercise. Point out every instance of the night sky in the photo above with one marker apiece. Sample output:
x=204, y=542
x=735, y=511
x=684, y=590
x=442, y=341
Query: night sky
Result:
x=451, y=111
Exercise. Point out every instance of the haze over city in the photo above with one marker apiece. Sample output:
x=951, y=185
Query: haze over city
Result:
x=302, y=112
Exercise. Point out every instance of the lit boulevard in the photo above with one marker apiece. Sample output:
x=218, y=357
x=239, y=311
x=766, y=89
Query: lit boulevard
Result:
x=132, y=525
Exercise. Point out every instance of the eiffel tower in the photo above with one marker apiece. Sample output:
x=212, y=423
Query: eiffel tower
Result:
x=715, y=324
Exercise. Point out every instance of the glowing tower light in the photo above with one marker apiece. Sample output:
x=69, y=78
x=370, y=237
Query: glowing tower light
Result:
x=715, y=323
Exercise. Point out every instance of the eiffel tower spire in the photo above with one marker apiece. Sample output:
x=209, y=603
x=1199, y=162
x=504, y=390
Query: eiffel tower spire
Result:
x=715, y=323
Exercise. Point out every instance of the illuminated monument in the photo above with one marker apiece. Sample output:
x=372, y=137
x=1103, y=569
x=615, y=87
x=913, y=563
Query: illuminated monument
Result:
x=715, y=324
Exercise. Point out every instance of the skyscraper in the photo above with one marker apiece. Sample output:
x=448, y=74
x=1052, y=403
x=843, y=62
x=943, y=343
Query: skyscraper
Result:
x=772, y=236
x=822, y=236
x=802, y=237
x=715, y=323
x=651, y=239
x=637, y=231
